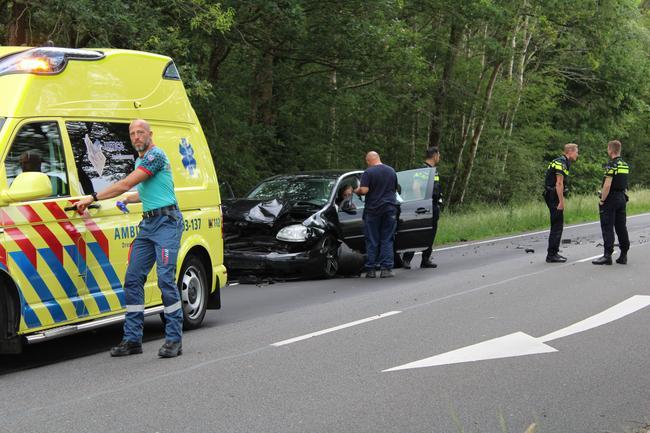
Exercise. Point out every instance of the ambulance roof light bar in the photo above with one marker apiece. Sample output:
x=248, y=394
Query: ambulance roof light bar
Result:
x=44, y=60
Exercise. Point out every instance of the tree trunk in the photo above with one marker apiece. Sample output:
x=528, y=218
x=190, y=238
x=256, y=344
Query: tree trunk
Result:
x=266, y=92
x=333, y=121
x=17, y=29
x=219, y=53
x=440, y=100
x=479, y=129
x=467, y=128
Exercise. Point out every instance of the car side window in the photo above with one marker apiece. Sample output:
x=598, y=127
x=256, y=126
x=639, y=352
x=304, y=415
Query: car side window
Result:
x=345, y=198
x=38, y=147
x=414, y=184
x=102, y=151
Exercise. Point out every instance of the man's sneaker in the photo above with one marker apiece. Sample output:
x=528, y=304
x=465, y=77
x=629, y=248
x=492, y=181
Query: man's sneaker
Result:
x=386, y=273
x=555, y=258
x=622, y=259
x=171, y=349
x=370, y=274
x=126, y=348
x=603, y=260
x=428, y=264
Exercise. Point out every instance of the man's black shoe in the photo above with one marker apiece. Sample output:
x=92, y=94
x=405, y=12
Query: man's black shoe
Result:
x=370, y=274
x=126, y=348
x=603, y=260
x=171, y=349
x=428, y=264
x=386, y=273
x=622, y=259
x=555, y=258
x=561, y=256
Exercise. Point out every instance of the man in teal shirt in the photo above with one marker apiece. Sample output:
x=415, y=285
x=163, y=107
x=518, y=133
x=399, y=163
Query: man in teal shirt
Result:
x=158, y=241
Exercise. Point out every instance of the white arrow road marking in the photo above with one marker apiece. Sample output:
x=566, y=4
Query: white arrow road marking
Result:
x=336, y=328
x=629, y=306
x=520, y=344
x=517, y=344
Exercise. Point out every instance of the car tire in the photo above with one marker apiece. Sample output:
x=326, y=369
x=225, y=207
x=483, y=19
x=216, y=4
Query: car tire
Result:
x=329, y=248
x=193, y=287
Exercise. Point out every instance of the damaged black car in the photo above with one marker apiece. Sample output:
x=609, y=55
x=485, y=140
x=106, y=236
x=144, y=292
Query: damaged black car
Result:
x=309, y=225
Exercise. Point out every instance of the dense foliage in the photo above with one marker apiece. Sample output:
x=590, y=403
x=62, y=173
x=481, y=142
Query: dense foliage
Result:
x=290, y=85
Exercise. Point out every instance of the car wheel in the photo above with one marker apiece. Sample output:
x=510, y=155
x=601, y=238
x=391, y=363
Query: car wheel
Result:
x=330, y=251
x=193, y=286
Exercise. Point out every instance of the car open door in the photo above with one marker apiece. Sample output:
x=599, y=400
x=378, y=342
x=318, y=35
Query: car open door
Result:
x=350, y=213
x=416, y=209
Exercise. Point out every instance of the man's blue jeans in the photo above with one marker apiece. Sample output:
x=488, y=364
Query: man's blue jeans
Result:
x=379, y=230
x=158, y=241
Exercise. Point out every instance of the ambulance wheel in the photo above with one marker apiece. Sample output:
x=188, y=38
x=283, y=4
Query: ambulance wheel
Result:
x=192, y=283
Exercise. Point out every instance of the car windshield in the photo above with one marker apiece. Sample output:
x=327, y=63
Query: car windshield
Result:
x=312, y=190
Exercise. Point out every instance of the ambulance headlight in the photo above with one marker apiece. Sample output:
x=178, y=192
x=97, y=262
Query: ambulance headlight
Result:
x=293, y=233
x=44, y=60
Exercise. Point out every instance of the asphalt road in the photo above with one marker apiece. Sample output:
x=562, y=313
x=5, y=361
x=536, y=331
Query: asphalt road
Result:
x=242, y=372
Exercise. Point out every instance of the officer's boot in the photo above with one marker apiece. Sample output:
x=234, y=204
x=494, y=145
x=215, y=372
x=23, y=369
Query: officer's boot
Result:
x=622, y=259
x=427, y=262
x=605, y=259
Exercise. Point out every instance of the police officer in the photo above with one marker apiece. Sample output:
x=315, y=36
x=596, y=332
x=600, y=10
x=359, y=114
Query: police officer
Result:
x=432, y=158
x=157, y=241
x=612, y=206
x=555, y=187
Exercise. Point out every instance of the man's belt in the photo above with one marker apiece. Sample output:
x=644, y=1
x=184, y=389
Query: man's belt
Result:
x=166, y=210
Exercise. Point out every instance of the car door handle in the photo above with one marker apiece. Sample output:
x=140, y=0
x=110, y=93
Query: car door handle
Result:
x=90, y=206
x=421, y=210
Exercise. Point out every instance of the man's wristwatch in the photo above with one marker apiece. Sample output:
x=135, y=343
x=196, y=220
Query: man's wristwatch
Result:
x=94, y=194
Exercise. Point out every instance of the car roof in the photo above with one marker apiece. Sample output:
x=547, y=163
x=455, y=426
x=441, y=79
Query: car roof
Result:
x=315, y=174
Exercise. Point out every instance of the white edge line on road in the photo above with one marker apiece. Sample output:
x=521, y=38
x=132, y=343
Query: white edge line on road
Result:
x=488, y=241
x=336, y=328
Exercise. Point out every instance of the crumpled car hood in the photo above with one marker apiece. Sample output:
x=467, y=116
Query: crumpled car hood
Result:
x=255, y=211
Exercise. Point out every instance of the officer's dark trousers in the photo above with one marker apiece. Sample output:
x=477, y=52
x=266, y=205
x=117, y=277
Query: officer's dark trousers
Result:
x=426, y=254
x=612, y=217
x=557, y=222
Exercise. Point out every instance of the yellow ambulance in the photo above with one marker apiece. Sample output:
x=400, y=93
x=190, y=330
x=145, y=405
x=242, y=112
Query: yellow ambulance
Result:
x=64, y=116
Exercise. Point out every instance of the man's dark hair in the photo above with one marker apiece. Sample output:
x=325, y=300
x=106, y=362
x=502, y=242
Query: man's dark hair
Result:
x=431, y=152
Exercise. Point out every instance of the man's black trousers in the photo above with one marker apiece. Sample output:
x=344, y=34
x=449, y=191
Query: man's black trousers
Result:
x=557, y=222
x=426, y=254
x=612, y=217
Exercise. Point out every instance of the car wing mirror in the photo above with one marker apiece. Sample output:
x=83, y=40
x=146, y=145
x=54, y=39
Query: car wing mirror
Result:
x=27, y=186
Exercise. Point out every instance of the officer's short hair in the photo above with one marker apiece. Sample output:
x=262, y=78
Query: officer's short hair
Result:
x=570, y=146
x=431, y=152
x=614, y=146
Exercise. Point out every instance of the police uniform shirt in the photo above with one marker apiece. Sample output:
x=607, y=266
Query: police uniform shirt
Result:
x=559, y=166
x=618, y=170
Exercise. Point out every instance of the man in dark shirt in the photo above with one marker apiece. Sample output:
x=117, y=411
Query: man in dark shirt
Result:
x=555, y=187
x=612, y=206
x=379, y=185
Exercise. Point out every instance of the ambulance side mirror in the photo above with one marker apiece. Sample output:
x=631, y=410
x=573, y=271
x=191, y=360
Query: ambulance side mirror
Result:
x=28, y=186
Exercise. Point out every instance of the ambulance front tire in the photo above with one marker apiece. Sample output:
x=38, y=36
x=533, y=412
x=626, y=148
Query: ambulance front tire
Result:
x=194, y=293
x=193, y=286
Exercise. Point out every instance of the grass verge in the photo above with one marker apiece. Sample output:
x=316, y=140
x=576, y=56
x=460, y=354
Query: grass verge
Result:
x=476, y=222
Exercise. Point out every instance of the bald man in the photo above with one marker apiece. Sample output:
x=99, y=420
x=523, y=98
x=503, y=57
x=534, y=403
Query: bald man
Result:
x=158, y=241
x=379, y=184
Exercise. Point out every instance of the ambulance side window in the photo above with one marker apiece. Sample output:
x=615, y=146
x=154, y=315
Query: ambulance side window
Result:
x=103, y=153
x=38, y=147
